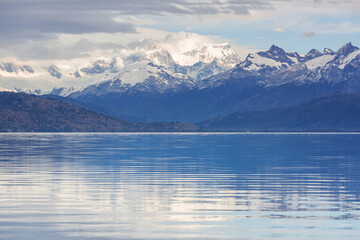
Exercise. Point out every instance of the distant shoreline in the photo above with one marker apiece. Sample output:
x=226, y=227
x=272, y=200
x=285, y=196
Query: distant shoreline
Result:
x=186, y=133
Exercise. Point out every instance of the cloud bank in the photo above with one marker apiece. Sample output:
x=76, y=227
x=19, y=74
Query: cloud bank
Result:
x=34, y=28
x=36, y=19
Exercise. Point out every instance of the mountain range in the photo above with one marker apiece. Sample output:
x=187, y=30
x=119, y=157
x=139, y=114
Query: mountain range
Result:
x=264, y=80
x=186, y=58
x=189, y=80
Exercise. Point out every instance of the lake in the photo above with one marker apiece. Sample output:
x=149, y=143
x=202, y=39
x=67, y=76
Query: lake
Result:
x=179, y=186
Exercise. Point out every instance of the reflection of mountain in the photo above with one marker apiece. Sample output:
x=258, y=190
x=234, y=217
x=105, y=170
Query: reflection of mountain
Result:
x=140, y=185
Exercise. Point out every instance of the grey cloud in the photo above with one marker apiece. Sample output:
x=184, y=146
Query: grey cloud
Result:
x=29, y=29
x=40, y=19
x=308, y=34
x=25, y=24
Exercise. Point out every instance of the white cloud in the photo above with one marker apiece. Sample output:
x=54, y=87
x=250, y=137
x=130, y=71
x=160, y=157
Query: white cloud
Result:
x=279, y=29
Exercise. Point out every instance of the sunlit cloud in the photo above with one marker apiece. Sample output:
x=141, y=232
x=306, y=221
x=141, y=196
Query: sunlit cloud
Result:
x=279, y=30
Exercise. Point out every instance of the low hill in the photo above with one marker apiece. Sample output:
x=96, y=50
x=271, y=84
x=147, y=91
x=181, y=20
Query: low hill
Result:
x=20, y=112
x=337, y=112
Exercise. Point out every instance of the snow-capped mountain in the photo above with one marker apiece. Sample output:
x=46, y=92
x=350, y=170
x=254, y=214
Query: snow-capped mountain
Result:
x=188, y=49
x=328, y=66
x=264, y=80
x=143, y=76
x=42, y=77
x=189, y=78
x=276, y=58
x=223, y=54
x=10, y=68
x=180, y=56
x=196, y=63
x=276, y=67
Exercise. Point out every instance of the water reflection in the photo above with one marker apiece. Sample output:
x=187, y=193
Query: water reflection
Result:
x=131, y=186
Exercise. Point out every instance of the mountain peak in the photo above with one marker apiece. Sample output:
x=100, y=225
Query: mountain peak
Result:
x=313, y=53
x=276, y=53
x=54, y=71
x=328, y=51
x=346, y=49
x=275, y=50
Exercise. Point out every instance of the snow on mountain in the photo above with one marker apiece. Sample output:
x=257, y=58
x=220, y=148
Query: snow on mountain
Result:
x=159, y=56
x=277, y=59
x=346, y=50
x=43, y=77
x=273, y=59
x=254, y=62
x=182, y=60
x=328, y=51
x=276, y=53
x=185, y=49
x=268, y=79
x=275, y=67
x=8, y=69
x=184, y=55
x=328, y=66
x=319, y=61
x=143, y=77
x=223, y=53
x=313, y=53
x=138, y=72
x=188, y=49
x=54, y=71
x=349, y=58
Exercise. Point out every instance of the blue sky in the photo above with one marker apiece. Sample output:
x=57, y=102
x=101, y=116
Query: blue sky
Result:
x=30, y=28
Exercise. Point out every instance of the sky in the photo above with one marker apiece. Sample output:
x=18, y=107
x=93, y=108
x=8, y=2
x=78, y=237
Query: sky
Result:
x=66, y=29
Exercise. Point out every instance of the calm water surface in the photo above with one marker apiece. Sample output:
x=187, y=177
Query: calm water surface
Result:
x=179, y=186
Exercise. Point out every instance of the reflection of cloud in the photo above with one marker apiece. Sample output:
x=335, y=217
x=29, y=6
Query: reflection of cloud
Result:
x=80, y=200
x=86, y=186
x=308, y=34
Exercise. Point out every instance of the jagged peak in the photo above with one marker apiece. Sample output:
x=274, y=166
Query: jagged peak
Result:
x=346, y=49
x=328, y=51
x=314, y=53
x=54, y=71
x=12, y=67
x=276, y=53
x=273, y=51
x=276, y=50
